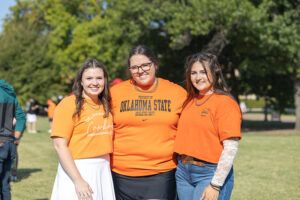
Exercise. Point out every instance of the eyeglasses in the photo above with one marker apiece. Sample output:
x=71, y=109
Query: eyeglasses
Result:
x=145, y=67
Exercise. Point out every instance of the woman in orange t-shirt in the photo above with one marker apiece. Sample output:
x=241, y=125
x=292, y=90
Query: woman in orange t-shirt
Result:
x=146, y=110
x=82, y=137
x=208, y=133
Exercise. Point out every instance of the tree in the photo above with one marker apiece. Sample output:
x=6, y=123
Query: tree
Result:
x=26, y=64
x=257, y=41
x=283, y=34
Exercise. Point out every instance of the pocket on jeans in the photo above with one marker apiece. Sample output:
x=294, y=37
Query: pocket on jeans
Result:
x=3, y=151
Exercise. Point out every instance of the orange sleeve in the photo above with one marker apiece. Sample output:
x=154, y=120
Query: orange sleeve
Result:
x=51, y=110
x=229, y=119
x=63, y=122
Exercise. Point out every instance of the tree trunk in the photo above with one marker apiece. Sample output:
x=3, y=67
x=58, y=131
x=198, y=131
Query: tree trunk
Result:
x=216, y=44
x=266, y=110
x=297, y=103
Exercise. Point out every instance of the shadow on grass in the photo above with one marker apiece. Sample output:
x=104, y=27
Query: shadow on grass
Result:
x=253, y=125
x=42, y=199
x=25, y=173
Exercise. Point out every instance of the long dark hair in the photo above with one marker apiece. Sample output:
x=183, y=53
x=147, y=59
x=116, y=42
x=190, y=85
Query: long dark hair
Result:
x=104, y=97
x=206, y=60
x=145, y=51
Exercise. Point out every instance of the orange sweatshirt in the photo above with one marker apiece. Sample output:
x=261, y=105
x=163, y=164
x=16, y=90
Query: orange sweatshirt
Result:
x=145, y=126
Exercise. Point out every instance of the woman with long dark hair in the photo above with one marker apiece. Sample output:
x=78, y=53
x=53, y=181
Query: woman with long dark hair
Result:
x=146, y=111
x=82, y=137
x=208, y=132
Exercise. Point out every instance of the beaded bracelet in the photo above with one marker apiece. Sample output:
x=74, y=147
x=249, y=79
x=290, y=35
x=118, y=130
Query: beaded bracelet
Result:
x=218, y=188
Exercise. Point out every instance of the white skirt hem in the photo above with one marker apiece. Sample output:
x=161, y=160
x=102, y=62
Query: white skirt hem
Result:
x=95, y=171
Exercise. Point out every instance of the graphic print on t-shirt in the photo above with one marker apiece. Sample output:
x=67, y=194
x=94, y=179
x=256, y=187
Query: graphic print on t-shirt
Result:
x=145, y=105
x=95, y=128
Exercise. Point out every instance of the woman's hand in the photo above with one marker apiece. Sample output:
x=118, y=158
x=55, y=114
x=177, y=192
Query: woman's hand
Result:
x=83, y=190
x=210, y=194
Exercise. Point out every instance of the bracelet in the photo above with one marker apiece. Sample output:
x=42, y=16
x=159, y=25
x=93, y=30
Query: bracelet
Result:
x=16, y=139
x=216, y=187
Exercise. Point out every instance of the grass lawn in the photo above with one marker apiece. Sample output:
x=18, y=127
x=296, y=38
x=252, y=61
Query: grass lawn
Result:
x=37, y=165
x=267, y=166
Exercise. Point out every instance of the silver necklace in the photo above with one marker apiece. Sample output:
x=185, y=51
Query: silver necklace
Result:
x=204, y=100
x=153, y=90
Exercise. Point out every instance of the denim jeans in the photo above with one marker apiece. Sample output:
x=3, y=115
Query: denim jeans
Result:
x=191, y=181
x=7, y=154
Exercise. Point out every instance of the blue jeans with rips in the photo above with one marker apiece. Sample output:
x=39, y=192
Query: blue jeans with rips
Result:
x=7, y=154
x=191, y=181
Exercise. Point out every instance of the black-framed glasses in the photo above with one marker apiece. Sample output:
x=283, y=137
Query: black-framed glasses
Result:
x=145, y=67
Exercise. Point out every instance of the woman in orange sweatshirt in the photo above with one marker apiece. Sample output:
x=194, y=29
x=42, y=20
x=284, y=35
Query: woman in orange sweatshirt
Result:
x=82, y=137
x=146, y=110
x=208, y=133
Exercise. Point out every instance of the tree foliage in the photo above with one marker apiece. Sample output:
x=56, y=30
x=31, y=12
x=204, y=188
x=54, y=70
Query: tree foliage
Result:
x=257, y=41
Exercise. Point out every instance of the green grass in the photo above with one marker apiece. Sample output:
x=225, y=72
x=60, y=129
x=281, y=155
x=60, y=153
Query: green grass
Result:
x=267, y=166
x=37, y=165
x=253, y=103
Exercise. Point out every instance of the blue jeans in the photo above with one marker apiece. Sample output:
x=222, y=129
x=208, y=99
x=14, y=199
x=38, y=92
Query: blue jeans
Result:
x=7, y=154
x=191, y=181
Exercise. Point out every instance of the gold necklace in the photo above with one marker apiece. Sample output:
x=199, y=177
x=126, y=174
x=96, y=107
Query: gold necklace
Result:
x=203, y=101
x=93, y=106
x=153, y=90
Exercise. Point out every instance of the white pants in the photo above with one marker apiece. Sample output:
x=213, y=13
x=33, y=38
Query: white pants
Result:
x=95, y=171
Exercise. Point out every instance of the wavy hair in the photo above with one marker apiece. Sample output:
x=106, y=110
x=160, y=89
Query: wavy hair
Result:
x=210, y=61
x=104, y=97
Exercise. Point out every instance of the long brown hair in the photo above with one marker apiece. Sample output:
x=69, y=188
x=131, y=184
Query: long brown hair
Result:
x=104, y=97
x=207, y=60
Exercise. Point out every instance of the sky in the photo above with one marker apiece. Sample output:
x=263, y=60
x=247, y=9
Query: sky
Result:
x=4, y=10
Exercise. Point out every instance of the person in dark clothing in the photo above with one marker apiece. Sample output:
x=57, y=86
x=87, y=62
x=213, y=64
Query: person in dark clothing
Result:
x=14, y=164
x=32, y=111
x=9, y=135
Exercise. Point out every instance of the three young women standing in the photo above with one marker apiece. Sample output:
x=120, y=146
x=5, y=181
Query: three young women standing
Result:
x=208, y=133
x=146, y=111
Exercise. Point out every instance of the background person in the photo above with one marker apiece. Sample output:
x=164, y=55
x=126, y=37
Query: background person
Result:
x=82, y=137
x=32, y=111
x=208, y=133
x=9, y=135
x=15, y=161
x=146, y=111
x=50, y=112
x=116, y=81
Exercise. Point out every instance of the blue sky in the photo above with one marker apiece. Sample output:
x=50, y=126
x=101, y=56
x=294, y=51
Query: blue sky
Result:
x=4, y=9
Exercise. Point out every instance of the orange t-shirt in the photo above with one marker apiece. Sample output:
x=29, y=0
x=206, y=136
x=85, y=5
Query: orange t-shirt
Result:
x=201, y=129
x=145, y=126
x=51, y=108
x=88, y=136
